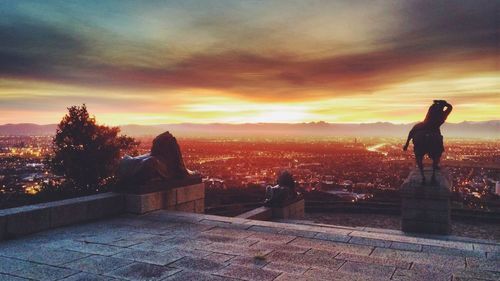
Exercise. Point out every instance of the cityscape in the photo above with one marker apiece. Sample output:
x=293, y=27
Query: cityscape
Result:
x=347, y=169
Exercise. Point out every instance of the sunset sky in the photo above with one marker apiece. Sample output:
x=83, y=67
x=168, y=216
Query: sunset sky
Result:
x=157, y=62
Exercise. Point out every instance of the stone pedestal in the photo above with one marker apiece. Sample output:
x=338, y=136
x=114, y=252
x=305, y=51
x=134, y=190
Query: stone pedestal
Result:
x=426, y=208
x=189, y=198
x=294, y=210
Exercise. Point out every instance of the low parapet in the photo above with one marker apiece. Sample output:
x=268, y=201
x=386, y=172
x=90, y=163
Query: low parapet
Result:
x=15, y=222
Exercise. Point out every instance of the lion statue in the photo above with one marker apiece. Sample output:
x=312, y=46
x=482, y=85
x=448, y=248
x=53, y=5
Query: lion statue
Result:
x=163, y=163
x=283, y=193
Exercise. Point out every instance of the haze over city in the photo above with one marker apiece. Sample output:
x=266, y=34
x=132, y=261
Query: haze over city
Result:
x=164, y=62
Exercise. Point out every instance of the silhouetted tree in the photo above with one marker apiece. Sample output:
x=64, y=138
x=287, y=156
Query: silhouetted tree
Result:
x=86, y=153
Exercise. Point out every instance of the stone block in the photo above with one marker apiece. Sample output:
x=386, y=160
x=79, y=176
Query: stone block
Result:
x=105, y=205
x=144, y=203
x=426, y=215
x=69, y=213
x=294, y=210
x=169, y=198
x=406, y=246
x=426, y=208
x=333, y=237
x=416, y=226
x=189, y=198
x=186, y=207
x=26, y=220
x=190, y=193
x=3, y=227
x=426, y=204
x=199, y=206
x=412, y=186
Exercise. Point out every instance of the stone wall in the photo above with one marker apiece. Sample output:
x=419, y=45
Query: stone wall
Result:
x=189, y=198
x=292, y=211
x=15, y=222
x=426, y=208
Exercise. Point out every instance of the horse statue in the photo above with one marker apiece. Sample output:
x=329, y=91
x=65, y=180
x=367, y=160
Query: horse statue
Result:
x=427, y=138
x=163, y=163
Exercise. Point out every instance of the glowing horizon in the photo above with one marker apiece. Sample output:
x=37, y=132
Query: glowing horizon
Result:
x=248, y=61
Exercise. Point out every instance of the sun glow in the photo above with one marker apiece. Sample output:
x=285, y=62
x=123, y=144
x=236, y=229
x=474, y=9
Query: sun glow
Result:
x=243, y=62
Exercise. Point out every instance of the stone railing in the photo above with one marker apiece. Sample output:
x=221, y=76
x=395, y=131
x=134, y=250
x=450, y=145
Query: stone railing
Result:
x=24, y=220
x=425, y=208
x=15, y=222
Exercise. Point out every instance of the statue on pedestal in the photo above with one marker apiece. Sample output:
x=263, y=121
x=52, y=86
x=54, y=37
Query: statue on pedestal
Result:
x=283, y=193
x=163, y=164
x=427, y=138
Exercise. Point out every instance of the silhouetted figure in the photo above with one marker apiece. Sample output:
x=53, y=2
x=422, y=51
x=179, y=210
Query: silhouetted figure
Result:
x=427, y=138
x=282, y=193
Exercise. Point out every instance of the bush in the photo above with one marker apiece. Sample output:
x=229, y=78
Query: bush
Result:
x=85, y=153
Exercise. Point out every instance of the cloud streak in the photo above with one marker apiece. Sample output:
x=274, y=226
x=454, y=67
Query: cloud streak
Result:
x=255, y=52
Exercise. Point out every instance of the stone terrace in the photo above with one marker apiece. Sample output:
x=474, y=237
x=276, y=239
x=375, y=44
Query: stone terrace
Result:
x=167, y=245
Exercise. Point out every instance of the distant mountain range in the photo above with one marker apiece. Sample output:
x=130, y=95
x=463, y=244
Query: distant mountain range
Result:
x=486, y=129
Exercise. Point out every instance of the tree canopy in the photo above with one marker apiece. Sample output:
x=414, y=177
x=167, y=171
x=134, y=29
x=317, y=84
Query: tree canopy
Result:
x=87, y=153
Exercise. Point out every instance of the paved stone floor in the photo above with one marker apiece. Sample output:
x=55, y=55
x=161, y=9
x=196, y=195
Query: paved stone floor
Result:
x=179, y=246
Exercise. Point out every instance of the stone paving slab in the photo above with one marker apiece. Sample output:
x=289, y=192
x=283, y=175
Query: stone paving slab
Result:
x=97, y=264
x=44, y=272
x=198, y=264
x=245, y=273
x=373, y=260
x=167, y=245
x=149, y=256
x=333, y=246
x=327, y=275
x=299, y=233
x=249, y=261
x=83, y=276
x=419, y=275
x=370, y=242
x=315, y=258
x=406, y=246
x=476, y=274
x=287, y=268
x=211, y=238
x=197, y=276
x=143, y=272
x=5, y=277
x=279, y=247
x=368, y=269
x=421, y=258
